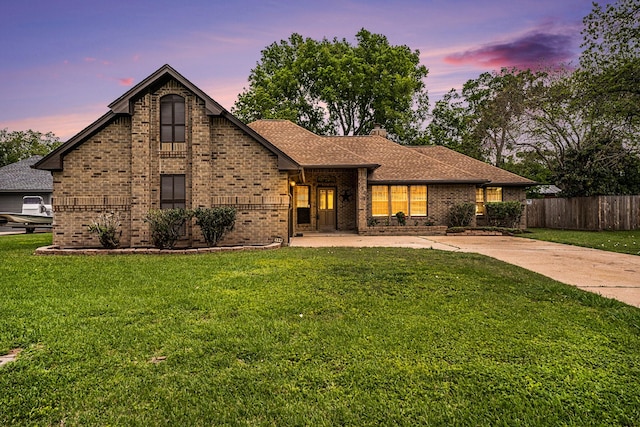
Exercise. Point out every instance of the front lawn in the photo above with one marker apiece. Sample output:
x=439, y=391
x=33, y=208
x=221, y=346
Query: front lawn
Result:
x=626, y=242
x=330, y=336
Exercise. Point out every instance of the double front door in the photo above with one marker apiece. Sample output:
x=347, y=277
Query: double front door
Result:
x=326, y=208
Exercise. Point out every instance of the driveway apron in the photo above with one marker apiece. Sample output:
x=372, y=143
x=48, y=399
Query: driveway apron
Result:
x=609, y=274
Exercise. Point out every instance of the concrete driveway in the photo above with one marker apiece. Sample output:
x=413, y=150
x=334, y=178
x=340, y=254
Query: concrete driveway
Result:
x=606, y=273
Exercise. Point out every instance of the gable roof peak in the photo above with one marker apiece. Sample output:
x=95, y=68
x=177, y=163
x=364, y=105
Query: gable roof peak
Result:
x=122, y=105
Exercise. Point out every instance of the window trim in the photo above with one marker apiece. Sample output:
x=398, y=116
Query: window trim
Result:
x=409, y=202
x=173, y=201
x=174, y=123
x=481, y=198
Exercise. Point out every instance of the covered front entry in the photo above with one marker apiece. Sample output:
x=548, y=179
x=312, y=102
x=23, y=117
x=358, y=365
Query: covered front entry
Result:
x=326, y=208
x=325, y=200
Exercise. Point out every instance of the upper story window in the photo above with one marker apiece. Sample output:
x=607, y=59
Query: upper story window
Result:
x=172, y=123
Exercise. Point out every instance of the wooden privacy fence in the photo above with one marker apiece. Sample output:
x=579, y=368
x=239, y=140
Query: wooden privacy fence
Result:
x=585, y=213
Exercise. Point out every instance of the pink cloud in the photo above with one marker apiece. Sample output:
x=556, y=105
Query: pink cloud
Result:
x=532, y=50
x=126, y=81
x=89, y=59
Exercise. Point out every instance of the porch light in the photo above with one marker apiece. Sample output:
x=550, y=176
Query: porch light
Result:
x=292, y=183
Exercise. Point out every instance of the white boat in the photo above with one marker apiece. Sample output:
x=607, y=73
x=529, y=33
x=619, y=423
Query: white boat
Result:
x=34, y=214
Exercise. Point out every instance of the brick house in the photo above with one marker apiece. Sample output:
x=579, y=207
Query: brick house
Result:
x=165, y=143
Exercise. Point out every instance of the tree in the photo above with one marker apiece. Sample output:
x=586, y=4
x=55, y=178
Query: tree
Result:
x=333, y=87
x=603, y=168
x=588, y=152
x=484, y=119
x=19, y=145
x=610, y=61
x=452, y=124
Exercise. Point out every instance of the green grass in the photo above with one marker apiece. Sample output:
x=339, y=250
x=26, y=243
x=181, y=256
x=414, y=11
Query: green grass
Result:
x=331, y=336
x=626, y=242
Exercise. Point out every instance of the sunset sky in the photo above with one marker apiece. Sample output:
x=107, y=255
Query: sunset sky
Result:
x=64, y=61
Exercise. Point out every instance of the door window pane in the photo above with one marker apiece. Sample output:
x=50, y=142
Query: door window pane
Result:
x=330, y=198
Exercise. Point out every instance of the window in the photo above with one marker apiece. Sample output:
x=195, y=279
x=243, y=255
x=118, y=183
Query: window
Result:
x=389, y=200
x=399, y=199
x=379, y=200
x=479, y=201
x=418, y=200
x=172, y=123
x=487, y=195
x=172, y=191
x=303, y=207
x=494, y=194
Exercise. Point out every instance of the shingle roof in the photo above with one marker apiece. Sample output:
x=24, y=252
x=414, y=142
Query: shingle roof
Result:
x=392, y=162
x=19, y=176
x=401, y=164
x=478, y=168
x=307, y=148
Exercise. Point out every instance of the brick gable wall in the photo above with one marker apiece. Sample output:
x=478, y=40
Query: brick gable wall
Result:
x=118, y=169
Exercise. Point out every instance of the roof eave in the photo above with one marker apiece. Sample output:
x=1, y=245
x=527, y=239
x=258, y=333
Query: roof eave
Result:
x=427, y=181
x=53, y=160
x=370, y=166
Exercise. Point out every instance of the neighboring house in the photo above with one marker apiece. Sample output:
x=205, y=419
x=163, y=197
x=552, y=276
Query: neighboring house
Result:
x=165, y=143
x=20, y=179
x=548, y=191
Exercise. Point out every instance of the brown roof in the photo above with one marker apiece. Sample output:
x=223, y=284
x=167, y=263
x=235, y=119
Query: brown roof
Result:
x=392, y=162
x=306, y=148
x=478, y=168
x=400, y=163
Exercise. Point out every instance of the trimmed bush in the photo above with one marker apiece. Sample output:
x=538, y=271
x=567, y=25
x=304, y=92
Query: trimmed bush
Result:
x=504, y=214
x=166, y=226
x=215, y=222
x=106, y=227
x=461, y=215
x=402, y=218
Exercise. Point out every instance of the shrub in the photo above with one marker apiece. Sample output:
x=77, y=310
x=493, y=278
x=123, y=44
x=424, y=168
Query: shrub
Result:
x=461, y=215
x=402, y=218
x=215, y=222
x=372, y=222
x=166, y=225
x=504, y=214
x=106, y=227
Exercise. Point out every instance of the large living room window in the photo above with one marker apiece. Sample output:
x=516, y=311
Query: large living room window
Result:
x=172, y=123
x=387, y=200
x=172, y=191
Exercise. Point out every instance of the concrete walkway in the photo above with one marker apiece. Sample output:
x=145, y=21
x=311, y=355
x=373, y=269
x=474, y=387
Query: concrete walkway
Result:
x=606, y=273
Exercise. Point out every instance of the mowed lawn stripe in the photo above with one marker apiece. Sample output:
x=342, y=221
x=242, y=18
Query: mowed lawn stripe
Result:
x=371, y=336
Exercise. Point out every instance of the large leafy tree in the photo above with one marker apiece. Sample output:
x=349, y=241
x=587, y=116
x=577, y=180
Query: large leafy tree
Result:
x=587, y=151
x=484, y=119
x=18, y=145
x=334, y=87
x=610, y=61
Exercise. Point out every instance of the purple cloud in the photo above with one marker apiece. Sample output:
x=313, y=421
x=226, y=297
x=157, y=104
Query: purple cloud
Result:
x=533, y=50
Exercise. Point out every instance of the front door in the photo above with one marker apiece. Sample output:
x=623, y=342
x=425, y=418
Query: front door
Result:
x=326, y=209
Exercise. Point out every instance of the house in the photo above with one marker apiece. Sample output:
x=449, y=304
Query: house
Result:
x=165, y=143
x=19, y=179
